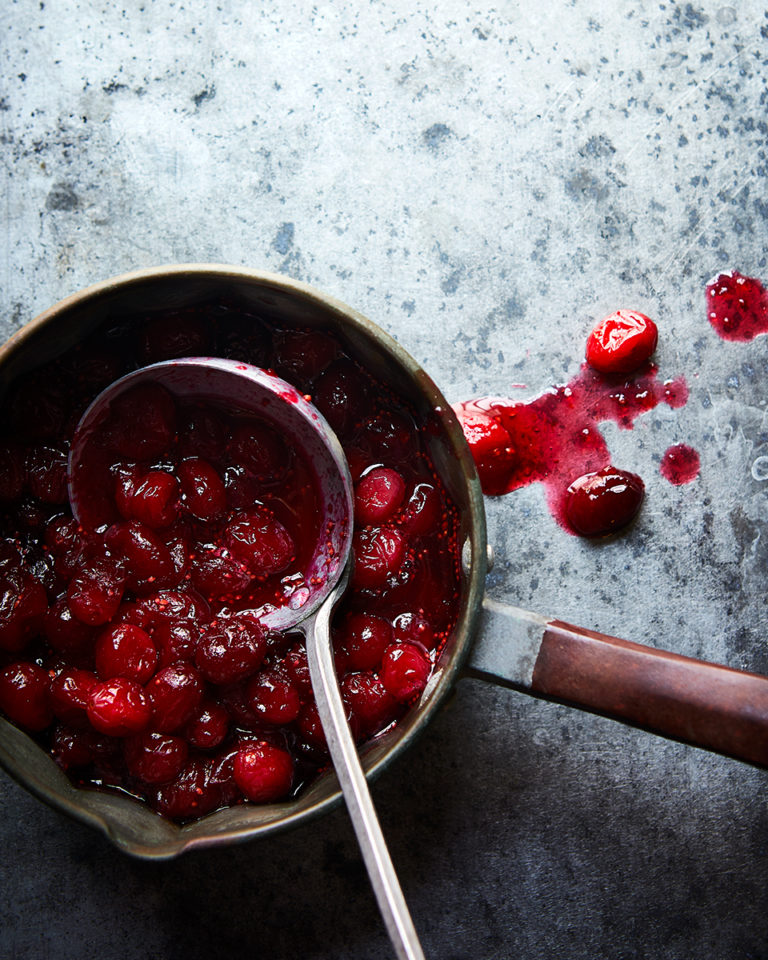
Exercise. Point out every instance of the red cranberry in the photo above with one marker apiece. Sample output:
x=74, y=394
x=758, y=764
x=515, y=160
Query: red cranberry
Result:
x=203, y=434
x=230, y=649
x=202, y=489
x=23, y=604
x=260, y=542
x=152, y=498
x=143, y=422
x=365, y=638
x=492, y=450
x=173, y=336
x=392, y=434
x=272, y=696
x=259, y=450
x=412, y=628
x=217, y=575
x=263, y=772
x=190, y=794
x=340, y=394
x=421, y=515
x=175, y=640
x=600, y=503
x=69, y=694
x=145, y=557
x=310, y=728
x=25, y=695
x=94, y=594
x=118, y=707
x=66, y=542
x=404, y=671
x=125, y=650
x=371, y=704
x=300, y=355
x=38, y=407
x=378, y=495
x=47, y=474
x=12, y=471
x=379, y=553
x=155, y=757
x=64, y=632
x=297, y=668
x=79, y=748
x=172, y=605
x=175, y=693
x=621, y=342
x=209, y=728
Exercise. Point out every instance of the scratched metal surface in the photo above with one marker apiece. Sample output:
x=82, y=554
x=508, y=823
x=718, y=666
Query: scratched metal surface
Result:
x=483, y=183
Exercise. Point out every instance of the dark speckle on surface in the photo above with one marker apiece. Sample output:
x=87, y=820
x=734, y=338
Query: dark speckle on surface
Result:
x=435, y=137
x=62, y=197
x=284, y=238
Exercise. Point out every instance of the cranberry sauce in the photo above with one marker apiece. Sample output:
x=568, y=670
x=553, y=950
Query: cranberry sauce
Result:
x=737, y=306
x=554, y=439
x=134, y=650
x=680, y=464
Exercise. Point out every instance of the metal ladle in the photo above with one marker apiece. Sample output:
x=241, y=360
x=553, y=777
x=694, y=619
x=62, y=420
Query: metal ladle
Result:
x=241, y=388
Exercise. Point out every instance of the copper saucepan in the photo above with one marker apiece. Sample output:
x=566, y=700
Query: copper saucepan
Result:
x=710, y=706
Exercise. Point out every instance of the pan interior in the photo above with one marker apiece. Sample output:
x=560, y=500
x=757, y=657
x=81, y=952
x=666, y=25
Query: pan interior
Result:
x=131, y=825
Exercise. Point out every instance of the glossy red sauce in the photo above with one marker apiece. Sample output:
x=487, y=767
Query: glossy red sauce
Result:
x=680, y=464
x=737, y=306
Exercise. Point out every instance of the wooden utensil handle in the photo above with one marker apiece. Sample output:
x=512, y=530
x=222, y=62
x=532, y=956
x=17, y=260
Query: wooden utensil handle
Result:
x=704, y=704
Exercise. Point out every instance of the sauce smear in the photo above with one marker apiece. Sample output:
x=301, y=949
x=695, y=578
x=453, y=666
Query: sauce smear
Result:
x=737, y=306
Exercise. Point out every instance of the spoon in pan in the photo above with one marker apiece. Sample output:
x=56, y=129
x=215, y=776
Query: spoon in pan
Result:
x=242, y=388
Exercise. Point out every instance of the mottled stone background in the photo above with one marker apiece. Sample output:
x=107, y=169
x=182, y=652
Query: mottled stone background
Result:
x=483, y=182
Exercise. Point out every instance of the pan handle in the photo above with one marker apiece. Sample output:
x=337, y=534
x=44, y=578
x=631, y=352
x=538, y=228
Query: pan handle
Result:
x=704, y=704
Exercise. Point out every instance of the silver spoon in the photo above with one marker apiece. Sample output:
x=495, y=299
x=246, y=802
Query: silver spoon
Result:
x=242, y=388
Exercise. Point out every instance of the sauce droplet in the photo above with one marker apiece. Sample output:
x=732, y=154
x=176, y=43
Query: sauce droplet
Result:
x=680, y=464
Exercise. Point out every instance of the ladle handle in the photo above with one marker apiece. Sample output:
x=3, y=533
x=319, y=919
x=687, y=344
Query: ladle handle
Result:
x=700, y=703
x=354, y=786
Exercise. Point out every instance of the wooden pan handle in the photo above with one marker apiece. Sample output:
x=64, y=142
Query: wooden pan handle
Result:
x=704, y=704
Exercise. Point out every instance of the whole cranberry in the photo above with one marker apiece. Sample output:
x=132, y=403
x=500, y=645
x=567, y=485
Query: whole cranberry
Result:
x=404, y=671
x=341, y=395
x=273, y=696
x=175, y=694
x=94, y=594
x=209, y=727
x=378, y=495
x=413, y=628
x=155, y=757
x=202, y=489
x=422, y=513
x=23, y=604
x=47, y=474
x=373, y=707
x=151, y=498
x=143, y=422
x=365, y=637
x=118, y=707
x=64, y=632
x=621, y=342
x=230, y=649
x=175, y=335
x=216, y=574
x=69, y=694
x=600, y=503
x=262, y=771
x=80, y=747
x=259, y=541
x=175, y=640
x=191, y=794
x=125, y=650
x=143, y=555
x=379, y=553
x=25, y=695
x=300, y=355
x=259, y=450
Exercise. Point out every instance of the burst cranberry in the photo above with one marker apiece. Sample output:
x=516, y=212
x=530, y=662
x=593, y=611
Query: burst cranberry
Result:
x=155, y=757
x=217, y=575
x=175, y=640
x=176, y=335
x=23, y=604
x=263, y=772
x=125, y=650
x=202, y=489
x=175, y=693
x=404, y=671
x=379, y=552
x=621, y=342
x=365, y=637
x=143, y=422
x=260, y=542
x=144, y=556
x=172, y=605
x=412, y=628
x=371, y=704
x=273, y=697
x=94, y=595
x=230, y=649
x=118, y=707
x=69, y=694
x=66, y=542
x=152, y=498
x=25, y=695
x=12, y=471
x=190, y=794
x=259, y=450
x=209, y=727
x=600, y=503
x=202, y=435
x=47, y=474
x=378, y=496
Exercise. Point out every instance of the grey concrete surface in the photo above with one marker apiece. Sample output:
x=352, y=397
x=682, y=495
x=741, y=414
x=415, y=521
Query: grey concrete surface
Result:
x=484, y=182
